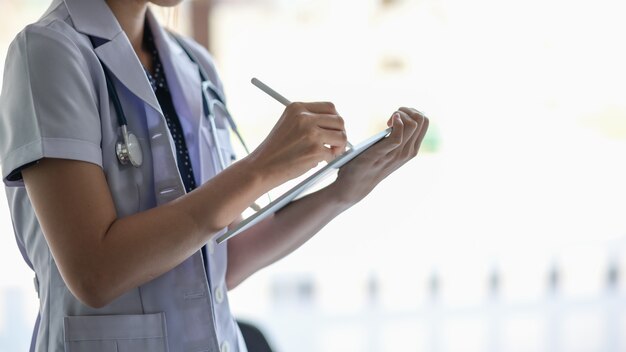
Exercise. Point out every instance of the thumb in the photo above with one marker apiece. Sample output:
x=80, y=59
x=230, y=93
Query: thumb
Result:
x=390, y=121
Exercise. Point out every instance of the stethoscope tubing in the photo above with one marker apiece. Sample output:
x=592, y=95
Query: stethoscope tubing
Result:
x=211, y=118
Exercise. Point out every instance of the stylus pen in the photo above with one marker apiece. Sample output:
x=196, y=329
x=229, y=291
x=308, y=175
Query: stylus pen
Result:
x=274, y=94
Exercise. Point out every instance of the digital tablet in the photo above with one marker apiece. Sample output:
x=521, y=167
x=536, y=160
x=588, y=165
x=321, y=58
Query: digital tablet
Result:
x=309, y=182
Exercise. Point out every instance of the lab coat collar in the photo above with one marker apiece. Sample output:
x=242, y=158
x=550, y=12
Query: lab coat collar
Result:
x=95, y=18
x=182, y=74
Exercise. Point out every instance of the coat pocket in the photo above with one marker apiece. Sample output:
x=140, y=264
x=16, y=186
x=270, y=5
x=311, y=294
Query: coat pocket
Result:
x=116, y=333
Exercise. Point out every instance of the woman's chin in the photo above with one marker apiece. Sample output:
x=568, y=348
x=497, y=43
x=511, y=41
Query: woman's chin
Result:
x=166, y=3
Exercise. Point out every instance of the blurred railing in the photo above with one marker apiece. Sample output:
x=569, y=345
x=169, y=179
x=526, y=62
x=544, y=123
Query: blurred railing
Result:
x=553, y=322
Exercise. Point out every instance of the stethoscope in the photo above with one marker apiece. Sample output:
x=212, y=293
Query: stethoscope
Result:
x=128, y=150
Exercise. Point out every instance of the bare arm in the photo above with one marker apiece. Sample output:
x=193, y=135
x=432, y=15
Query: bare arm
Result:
x=279, y=235
x=295, y=224
x=101, y=256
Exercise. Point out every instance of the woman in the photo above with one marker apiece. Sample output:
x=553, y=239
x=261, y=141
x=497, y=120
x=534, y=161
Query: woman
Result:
x=124, y=254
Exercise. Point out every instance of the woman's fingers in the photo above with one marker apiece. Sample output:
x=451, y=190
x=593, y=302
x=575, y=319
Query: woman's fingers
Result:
x=397, y=134
x=394, y=140
x=414, y=114
x=325, y=128
x=323, y=107
x=420, y=138
x=410, y=134
x=333, y=138
x=327, y=154
x=409, y=142
x=412, y=111
x=423, y=122
x=329, y=121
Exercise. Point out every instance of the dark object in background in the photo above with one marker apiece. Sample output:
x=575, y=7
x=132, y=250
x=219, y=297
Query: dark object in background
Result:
x=255, y=340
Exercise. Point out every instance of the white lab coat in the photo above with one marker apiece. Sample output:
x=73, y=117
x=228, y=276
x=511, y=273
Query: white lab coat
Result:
x=55, y=104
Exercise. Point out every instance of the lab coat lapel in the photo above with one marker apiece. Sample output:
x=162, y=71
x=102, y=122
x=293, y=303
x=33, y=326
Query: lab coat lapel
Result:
x=182, y=74
x=120, y=59
x=95, y=18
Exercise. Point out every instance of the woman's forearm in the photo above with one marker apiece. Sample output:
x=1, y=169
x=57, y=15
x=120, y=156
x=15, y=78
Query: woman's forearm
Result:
x=281, y=234
x=171, y=233
x=101, y=256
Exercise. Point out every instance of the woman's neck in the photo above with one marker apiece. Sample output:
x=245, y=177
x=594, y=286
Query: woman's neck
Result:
x=131, y=14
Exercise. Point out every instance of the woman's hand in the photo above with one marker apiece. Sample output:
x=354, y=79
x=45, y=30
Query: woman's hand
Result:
x=357, y=178
x=305, y=134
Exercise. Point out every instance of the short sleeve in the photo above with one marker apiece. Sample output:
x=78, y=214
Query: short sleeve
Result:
x=47, y=105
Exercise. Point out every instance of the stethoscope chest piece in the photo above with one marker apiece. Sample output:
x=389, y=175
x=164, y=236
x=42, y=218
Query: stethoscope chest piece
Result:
x=128, y=150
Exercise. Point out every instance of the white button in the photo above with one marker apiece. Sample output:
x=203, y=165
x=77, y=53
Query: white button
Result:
x=219, y=294
x=211, y=246
x=225, y=347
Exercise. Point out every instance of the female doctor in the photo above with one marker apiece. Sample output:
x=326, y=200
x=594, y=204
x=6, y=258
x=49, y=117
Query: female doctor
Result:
x=123, y=246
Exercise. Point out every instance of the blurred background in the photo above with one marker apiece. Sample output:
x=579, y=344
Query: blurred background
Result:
x=507, y=233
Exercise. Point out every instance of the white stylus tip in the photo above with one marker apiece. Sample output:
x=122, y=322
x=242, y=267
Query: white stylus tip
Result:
x=269, y=91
